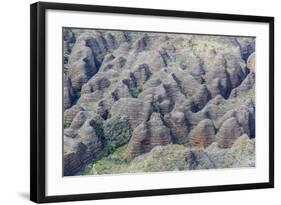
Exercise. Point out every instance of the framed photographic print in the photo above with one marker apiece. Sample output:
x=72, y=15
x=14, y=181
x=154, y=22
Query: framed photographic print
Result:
x=129, y=102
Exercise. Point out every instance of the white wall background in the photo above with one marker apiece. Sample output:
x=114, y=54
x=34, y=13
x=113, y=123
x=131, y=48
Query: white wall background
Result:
x=14, y=100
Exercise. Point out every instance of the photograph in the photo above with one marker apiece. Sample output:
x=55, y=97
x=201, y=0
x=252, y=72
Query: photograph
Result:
x=144, y=102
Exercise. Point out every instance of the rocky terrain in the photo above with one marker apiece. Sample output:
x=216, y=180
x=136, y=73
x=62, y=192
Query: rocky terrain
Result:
x=148, y=102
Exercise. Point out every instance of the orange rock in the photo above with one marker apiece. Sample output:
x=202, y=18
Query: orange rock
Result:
x=201, y=140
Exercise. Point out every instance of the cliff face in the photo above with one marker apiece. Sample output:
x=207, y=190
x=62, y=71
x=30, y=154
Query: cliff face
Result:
x=133, y=96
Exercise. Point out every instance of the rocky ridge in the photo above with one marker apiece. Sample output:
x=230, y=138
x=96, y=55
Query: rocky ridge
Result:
x=185, y=99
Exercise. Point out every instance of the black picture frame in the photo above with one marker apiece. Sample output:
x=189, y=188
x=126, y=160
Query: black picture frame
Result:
x=38, y=100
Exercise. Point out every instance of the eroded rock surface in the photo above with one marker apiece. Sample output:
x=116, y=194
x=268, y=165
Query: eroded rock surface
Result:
x=148, y=135
x=136, y=101
x=203, y=134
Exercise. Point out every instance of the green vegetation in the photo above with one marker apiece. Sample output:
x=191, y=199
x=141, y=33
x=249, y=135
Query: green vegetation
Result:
x=183, y=65
x=242, y=153
x=65, y=69
x=66, y=124
x=116, y=162
x=189, y=94
x=107, y=150
x=70, y=45
x=161, y=158
x=98, y=128
x=117, y=131
x=128, y=36
x=233, y=102
x=135, y=91
x=66, y=58
x=76, y=94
